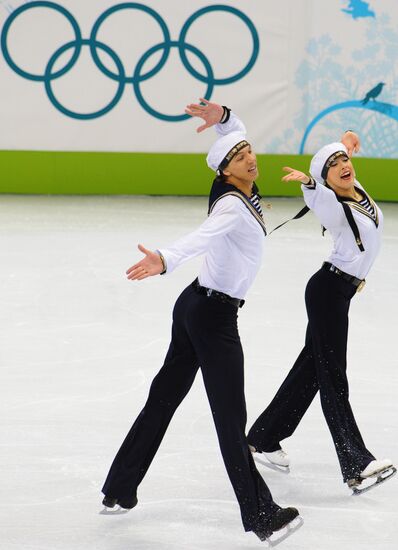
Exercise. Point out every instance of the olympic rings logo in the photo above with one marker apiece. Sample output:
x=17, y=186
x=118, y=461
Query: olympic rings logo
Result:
x=119, y=76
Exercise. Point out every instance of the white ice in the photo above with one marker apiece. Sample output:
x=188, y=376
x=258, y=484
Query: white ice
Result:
x=79, y=346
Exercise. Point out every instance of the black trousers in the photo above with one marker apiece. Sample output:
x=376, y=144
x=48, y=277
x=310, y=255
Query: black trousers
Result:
x=205, y=335
x=321, y=366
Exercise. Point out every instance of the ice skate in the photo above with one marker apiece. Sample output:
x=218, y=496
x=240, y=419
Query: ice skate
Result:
x=277, y=460
x=124, y=505
x=284, y=523
x=375, y=473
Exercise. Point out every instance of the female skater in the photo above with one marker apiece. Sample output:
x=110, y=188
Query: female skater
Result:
x=355, y=223
x=205, y=333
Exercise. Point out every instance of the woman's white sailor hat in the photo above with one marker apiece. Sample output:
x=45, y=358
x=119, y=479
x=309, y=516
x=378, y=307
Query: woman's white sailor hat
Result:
x=321, y=161
x=224, y=149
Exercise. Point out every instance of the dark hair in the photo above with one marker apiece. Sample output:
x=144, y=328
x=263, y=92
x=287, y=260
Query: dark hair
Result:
x=329, y=160
x=220, y=177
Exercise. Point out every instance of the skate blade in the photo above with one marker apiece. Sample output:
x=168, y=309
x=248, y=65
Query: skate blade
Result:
x=370, y=482
x=279, y=536
x=265, y=462
x=114, y=512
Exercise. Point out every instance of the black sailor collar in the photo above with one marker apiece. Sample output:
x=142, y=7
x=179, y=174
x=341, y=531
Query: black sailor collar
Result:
x=221, y=187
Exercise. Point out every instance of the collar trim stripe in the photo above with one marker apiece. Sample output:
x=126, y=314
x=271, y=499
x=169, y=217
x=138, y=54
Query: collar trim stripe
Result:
x=360, y=208
x=246, y=201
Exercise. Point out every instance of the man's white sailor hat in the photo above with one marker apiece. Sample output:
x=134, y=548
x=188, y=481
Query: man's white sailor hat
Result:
x=224, y=149
x=320, y=162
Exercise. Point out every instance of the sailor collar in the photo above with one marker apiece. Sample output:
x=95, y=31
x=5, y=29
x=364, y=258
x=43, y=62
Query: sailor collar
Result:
x=348, y=205
x=359, y=207
x=221, y=189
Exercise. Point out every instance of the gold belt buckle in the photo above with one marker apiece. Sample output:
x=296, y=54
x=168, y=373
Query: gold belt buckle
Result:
x=361, y=285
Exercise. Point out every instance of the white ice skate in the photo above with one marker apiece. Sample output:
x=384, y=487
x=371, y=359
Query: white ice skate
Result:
x=277, y=460
x=375, y=473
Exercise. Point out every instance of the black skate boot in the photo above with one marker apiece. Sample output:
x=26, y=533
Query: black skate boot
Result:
x=126, y=503
x=283, y=517
x=283, y=521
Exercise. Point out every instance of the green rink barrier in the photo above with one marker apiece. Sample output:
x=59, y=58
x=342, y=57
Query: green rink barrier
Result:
x=99, y=173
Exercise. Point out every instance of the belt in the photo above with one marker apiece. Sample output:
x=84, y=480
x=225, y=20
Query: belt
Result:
x=217, y=295
x=358, y=283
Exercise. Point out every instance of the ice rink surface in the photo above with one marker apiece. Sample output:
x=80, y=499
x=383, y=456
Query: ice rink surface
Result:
x=79, y=346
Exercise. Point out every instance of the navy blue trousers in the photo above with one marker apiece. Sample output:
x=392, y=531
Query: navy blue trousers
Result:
x=204, y=335
x=321, y=366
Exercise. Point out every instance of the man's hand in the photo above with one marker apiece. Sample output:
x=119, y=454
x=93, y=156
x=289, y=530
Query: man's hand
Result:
x=211, y=113
x=295, y=175
x=149, y=266
x=352, y=142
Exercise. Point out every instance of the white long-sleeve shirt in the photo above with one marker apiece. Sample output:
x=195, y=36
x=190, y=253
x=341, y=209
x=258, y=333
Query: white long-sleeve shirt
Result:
x=345, y=254
x=231, y=239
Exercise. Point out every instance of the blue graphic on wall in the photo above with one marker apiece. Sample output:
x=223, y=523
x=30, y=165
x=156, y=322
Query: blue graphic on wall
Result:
x=340, y=88
x=374, y=92
x=358, y=8
x=119, y=75
x=386, y=109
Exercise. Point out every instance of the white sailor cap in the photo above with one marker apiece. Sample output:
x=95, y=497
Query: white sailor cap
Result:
x=320, y=162
x=224, y=149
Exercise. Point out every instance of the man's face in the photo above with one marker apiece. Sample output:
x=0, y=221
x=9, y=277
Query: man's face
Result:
x=243, y=165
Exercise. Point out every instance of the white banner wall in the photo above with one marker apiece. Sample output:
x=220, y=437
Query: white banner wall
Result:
x=102, y=76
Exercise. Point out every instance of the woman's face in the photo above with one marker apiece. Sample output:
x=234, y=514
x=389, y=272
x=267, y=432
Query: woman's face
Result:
x=243, y=165
x=341, y=175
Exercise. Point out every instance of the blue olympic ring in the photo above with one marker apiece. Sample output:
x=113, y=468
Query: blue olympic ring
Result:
x=26, y=7
x=120, y=75
x=137, y=79
x=253, y=32
x=48, y=77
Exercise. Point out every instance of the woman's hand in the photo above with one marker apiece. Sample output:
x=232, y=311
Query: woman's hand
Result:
x=149, y=266
x=352, y=142
x=295, y=175
x=211, y=113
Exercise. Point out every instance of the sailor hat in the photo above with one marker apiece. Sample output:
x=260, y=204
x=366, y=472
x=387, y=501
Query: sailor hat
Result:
x=224, y=149
x=320, y=162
